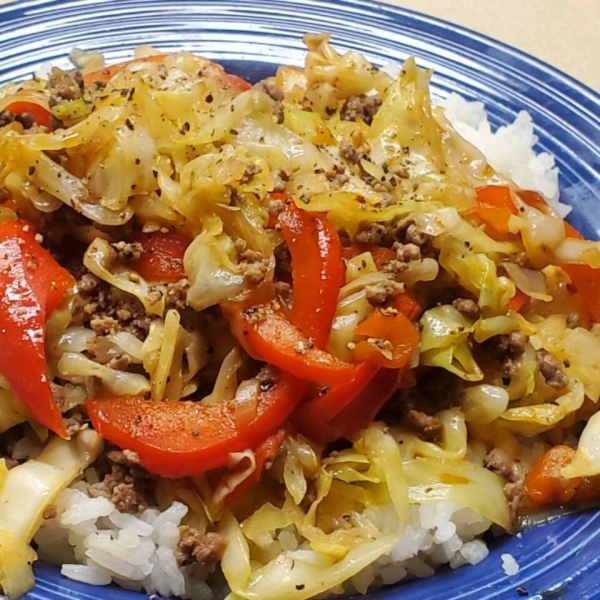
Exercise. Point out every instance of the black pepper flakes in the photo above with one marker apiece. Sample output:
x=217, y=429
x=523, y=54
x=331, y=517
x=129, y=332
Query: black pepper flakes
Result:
x=31, y=170
x=209, y=98
x=129, y=124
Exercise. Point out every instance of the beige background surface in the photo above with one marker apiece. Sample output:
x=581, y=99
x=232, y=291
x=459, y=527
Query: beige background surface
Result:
x=564, y=33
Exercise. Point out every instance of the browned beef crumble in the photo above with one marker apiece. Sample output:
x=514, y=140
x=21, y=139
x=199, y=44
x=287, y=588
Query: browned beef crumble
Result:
x=349, y=152
x=176, y=294
x=250, y=172
x=551, y=370
x=127, y=485
x=64, y=86
x=196, y=547
x=500, y=463
x=361, y=107
x=26, y=119
x=268, y=87
x=383, y=291
x=106, y=309
x=128, y=252
x=427, y=426
x=280, y=178
x=467, y=307
x=254, y=265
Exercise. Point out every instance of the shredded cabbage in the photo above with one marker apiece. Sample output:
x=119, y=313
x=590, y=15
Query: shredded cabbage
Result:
x=25, y=491
x=444, y=342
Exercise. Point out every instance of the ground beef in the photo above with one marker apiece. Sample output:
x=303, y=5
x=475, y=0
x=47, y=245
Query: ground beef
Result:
x=176, y=294
x=75, y=420
x=249, y=173
x=416, y=236
x=120, y=363
x=127, y=485
x=280, y=178
x=500, y=463
x=573, y=320
x=406, y=252
x=349, y=152
x=125, y=458
x=87, y=284
x=196, y=547
x=104, y=325
x=106, y=309
x=515, y=493
x=428, y=427
x=374, y=234
x=284, y=291
x=379, y=293
x=337, y=176
x=361, y=107
x=551, y=370
x=128, y=252
x=270, y=89
x=26, y=119
x=253, y=264
x=64, y=86
x=509, y=370
x=467, y=307
x=508, y=346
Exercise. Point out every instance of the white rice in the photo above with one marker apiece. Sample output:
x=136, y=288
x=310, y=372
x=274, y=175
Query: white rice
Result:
x=509, y=150
x=98, y=545
x=509, y=565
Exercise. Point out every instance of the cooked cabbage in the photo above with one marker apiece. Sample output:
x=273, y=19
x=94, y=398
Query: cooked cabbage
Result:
x=334, y=557
x=444, y=342
x=25, y=491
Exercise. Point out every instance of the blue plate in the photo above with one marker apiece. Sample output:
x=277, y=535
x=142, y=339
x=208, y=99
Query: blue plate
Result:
x=560, y=559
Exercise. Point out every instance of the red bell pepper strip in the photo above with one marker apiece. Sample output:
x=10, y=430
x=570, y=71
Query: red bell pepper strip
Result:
x=328, y=402
x=40, y=114
x=408, y=379
x=182, y=439
x=585, y=279
x=392, y=339
x=273, y=339
x=162, y=257
x=317, y=270
x=494, y=208
x=407, y=305
x=265, y=452
x=518, y=301
x=32, y=285
x=355, y=405
x=534, y=199
x=544, y=483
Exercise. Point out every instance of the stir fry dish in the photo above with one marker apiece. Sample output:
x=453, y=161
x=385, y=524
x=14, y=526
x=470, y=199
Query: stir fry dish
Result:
x=283, y=340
